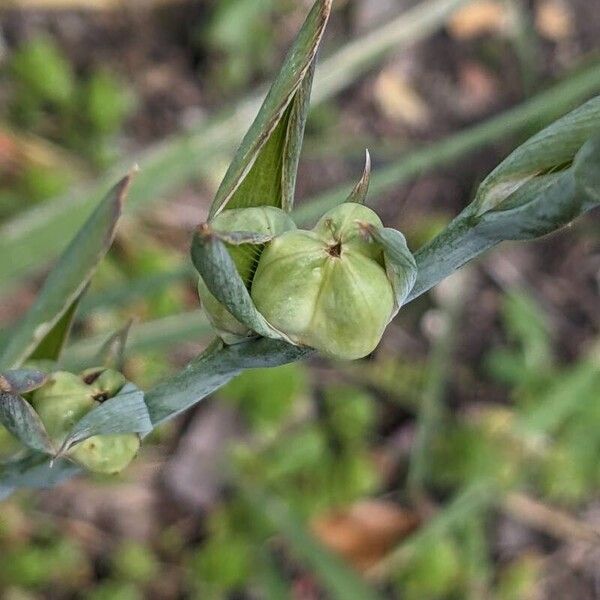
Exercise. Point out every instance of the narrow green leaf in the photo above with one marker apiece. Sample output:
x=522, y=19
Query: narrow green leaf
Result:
x=263, y=171
x=124, y=413
x=361, y=189
x=68, y=278
x=51, y=347
x=216, y=267
x=36, y=471
x=112, y=353
x=538, y=205
x=213, y=369
x=587, y=169
x=552, y=149
x=23, y=422
x=22, y=381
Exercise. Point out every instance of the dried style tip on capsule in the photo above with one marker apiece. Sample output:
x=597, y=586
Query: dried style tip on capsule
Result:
x=327, y=288
x=66, y=398
x=265, y=220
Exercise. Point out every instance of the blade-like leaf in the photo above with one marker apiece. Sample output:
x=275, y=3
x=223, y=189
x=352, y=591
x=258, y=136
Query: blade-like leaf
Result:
x=22, y=381
x=68, y=278
x=124, y=413
x=539, y=207
x=213, y=369
x=263, y=171
x=36, y=471
x=551, y=149
x=216, y=267
x=23, y=422
x=51, y=347
x=361, y=189
x=112, y=353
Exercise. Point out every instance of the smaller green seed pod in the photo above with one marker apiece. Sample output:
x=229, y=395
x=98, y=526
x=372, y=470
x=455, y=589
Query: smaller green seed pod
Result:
x=10, y=447
x=266, y=220
x=328, y=288
x=61, y=403
x=66, y=398
x=105, y=383
x=106, y=454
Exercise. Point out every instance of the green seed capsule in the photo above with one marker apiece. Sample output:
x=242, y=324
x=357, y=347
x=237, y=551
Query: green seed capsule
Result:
x=10, y=447
x=327, y=288
x=266, y=220
x=106, y=454
x=66, y=399
x=62, y=402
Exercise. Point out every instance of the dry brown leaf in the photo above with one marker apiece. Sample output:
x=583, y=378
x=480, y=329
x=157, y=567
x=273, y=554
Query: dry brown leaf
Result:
x=365, y=532
x=478, y=88
x=554, y=20
x=479, y=18
x=399, y=101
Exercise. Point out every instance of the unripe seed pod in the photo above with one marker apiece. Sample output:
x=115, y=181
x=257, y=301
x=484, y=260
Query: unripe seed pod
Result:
x=104, y=383
x=328, y=288
x=266, y=220
x=66, y=398
x=9, y=445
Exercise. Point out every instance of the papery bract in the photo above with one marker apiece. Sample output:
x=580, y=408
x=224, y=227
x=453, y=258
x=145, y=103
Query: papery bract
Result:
x=265, y=220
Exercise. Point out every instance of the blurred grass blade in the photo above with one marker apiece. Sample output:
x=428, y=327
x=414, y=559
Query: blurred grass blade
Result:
x=21, y=381
x=552, y=149
x=22, y=421
x=216, y=267
x=576, y=388
x=37, y=235
x=51, y=347
x=263, y=170
x=124, y=413
x=68, y=278
x=338, y=579
x=159, y=334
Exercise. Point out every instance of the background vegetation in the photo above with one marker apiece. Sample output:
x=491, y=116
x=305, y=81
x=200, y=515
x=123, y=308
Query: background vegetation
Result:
x=459, y=461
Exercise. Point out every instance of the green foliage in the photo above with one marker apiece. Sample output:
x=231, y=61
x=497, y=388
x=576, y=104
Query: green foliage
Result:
x=42, y=75
x=41, y=566
x=239, y=31
x=432, y=571
x=135, y=563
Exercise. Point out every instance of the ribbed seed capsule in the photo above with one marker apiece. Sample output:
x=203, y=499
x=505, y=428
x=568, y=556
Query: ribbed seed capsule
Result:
x=327, y=288
x=66, y=398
